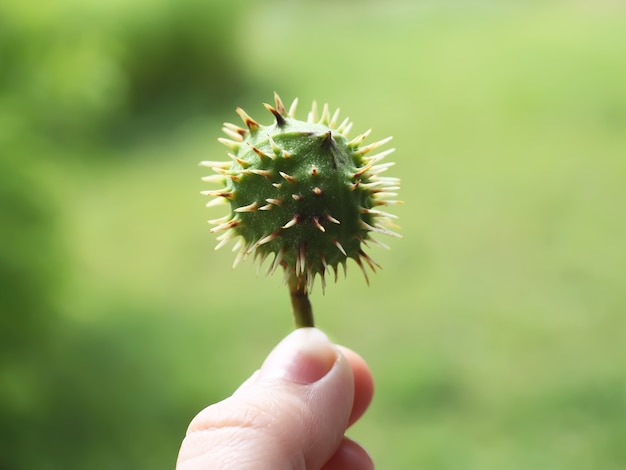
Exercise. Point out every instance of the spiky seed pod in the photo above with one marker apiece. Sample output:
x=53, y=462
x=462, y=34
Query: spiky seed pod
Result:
x=303, y=192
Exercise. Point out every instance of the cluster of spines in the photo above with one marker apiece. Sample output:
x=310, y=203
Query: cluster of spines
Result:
x=380, y=187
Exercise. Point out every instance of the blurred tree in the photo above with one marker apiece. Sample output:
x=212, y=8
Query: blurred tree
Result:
x=84, y=71
x=30, y=264
x=182, y=56
x=69, y=392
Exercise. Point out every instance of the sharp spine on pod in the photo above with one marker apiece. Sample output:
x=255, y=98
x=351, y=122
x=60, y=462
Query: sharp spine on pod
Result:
x=294, y=221
x=249, y=208
x=235, y=129
x=289, y=178
x=261, y=154
x=275, y=148
x=359, y=138
x=231, y=144
x=316, y=223
x=253, y=126
x=235, y=158
x=280, y=120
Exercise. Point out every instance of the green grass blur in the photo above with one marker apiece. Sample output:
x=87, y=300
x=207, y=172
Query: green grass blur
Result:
x=496, y=330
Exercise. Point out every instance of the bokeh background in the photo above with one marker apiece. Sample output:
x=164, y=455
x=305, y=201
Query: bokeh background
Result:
x=496, y=332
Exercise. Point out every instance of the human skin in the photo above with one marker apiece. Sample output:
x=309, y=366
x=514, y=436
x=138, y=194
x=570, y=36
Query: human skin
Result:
x=291, y=414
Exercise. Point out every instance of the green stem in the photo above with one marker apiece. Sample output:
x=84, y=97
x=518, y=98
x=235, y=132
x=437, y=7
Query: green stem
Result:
x=302, y=311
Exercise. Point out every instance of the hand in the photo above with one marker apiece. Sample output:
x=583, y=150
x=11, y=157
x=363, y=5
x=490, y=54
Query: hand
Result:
x=290, y=414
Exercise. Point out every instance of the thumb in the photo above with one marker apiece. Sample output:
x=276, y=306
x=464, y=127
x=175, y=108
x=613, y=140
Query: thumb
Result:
x=291, y=414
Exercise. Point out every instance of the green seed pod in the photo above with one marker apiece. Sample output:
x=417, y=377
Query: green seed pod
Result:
x=302, y=193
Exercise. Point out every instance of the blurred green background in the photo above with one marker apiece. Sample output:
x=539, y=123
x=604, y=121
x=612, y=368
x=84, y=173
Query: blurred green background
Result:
x=496, y=332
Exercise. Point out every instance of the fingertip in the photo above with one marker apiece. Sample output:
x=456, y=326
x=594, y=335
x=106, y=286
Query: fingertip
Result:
x=363, y=383
x=349, y=456
x=304, y=356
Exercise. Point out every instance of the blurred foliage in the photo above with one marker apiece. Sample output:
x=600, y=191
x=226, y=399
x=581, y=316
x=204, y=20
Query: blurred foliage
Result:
x=495, y=332
x=85, y=70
